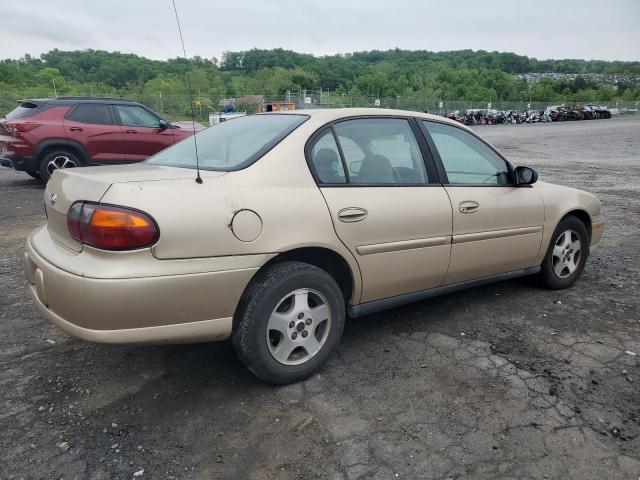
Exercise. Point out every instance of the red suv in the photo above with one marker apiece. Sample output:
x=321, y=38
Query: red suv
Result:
x=41, y=135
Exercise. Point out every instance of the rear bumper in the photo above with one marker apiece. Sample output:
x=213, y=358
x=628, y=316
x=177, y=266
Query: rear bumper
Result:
x=189, y=332
x=22, y=164
x=176, y=308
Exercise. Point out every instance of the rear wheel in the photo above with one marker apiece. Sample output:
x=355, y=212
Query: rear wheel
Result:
x=567, y=254
x=288, y=322
x=57, y=159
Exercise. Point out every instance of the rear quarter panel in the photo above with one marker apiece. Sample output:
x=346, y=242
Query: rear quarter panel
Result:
x=50, y=127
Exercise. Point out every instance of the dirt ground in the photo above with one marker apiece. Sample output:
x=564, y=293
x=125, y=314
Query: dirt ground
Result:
x=507, y=381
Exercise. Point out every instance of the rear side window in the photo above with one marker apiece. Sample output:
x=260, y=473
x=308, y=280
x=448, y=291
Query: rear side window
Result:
x=24, y=109
x=231, y=145
x=325, y=157
x=91, y=113
x=377, y=151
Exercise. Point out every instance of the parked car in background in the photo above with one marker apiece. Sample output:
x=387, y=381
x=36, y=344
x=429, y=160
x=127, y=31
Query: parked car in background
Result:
x=43, y=135
x=598, y=111
x=189, y=126
x=299, y=219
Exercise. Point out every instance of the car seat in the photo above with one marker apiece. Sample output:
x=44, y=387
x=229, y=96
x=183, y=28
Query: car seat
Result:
x=375, y=169
x=327, y=165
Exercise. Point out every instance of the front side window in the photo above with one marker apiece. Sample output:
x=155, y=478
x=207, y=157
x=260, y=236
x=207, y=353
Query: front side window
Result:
x=325, y=158
x=91, y=113
x=230, y=145
x=381, y=151
x=134, y=116
x=466, y=159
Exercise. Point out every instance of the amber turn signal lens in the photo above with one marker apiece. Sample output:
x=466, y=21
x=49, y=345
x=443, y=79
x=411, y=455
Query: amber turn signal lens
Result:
x=110, y=227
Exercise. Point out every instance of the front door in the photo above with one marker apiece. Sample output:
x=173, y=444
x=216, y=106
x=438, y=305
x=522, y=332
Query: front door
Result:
x=385, y=208
x=143, y=134
x=497, y=227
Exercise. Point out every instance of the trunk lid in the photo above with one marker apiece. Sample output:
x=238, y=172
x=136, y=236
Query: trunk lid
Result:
x=91, y=183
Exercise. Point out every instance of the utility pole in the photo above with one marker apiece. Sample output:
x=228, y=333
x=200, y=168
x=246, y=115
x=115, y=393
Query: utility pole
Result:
x=55, y=92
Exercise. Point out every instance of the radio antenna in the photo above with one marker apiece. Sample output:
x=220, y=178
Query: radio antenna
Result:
x=193, y=112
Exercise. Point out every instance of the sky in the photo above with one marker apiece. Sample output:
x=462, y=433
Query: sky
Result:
x=588, y=29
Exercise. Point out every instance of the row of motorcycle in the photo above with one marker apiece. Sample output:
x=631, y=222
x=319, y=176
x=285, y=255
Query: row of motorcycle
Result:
x=558, y=113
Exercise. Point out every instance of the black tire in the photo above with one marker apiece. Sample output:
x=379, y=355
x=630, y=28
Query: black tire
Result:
x=55, y=156
x=261, y=297
x=548, y=274
x=35, y=175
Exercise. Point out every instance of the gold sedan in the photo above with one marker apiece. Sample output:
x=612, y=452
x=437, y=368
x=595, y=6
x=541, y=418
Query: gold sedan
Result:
x=283, y=224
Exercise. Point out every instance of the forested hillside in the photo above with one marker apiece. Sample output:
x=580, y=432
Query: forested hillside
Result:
x=455, y=75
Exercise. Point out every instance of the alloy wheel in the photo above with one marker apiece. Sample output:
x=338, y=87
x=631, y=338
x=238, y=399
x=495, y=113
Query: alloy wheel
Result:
x=298, y=327
x=566, y=253
x=60, y=161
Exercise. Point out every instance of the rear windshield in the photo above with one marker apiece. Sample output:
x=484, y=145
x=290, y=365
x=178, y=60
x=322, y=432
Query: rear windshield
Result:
x=24, y=109
x=230, y=145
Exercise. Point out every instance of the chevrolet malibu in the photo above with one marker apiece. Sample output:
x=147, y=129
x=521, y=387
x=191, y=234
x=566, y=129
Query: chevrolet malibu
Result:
x=271, y=229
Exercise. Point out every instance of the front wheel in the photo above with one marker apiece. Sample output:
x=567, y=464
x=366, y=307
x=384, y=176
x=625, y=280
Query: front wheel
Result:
x=567, y=254
x=288, y=321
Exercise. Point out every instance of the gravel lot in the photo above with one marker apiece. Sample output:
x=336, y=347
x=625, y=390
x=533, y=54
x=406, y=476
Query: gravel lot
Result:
x=507, y=381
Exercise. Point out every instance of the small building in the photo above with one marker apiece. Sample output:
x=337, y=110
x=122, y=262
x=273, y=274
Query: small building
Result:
x=276, y=106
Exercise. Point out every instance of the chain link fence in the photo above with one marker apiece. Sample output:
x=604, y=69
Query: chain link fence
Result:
x=439, y=106
x=177, y=106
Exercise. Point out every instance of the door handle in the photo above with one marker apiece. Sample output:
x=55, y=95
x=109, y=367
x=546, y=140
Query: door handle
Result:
x=468, y=206
x=75, y=129
x=352, y=214
x=131, y=131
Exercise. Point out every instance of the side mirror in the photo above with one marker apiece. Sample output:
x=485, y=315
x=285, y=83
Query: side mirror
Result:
x=526, y=176
x=163, y=125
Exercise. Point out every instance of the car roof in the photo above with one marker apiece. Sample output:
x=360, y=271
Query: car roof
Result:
x=327, y=115
x=74, y=100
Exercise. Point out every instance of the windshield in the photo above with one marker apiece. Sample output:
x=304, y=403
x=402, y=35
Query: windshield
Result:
x=230, y=145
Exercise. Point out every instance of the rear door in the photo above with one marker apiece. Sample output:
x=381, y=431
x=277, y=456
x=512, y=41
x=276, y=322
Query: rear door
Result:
x=385, y=203
x=143, y=132
x=93, y=126
x=497, y=226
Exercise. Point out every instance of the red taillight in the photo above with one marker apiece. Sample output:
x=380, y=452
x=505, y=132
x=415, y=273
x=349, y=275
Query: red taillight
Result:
x=111, y=228
x=73, y=220
x=16, y=127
